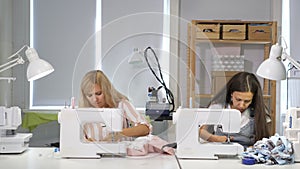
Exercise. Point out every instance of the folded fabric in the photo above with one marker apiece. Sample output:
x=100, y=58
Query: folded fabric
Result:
x=32, y=119
x=149, y=144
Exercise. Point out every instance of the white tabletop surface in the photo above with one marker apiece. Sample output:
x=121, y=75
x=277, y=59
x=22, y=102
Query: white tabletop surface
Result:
x=229, y=163
x=43, y=158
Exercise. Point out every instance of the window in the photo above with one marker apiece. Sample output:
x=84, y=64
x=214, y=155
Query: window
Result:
x=59, y=33
x=66, y=36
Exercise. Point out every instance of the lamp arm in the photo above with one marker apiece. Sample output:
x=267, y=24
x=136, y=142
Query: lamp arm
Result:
x=18, y=51
x=11, y=64
x=8, y=63
x=293, y=61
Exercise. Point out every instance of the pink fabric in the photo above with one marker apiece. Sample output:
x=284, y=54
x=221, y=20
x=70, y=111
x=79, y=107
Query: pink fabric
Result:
x=138, y=152
x=154, y=145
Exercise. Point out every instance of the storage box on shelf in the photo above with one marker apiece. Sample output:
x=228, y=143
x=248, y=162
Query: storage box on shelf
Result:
x=208, y=31
x=234, y=31
x=226, y=32
x=259, y=31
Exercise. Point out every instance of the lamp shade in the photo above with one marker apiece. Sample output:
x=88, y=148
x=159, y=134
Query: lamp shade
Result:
x=272, y=68
x=136, y=57
x=37, y=68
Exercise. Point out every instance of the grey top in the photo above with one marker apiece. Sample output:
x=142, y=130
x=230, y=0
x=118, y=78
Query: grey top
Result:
x=246, y=136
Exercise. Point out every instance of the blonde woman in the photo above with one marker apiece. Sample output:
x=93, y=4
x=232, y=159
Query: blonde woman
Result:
x=98, y=92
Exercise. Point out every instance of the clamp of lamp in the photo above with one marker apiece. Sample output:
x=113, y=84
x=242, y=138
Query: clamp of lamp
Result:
x=37, y=68
x=273, y=68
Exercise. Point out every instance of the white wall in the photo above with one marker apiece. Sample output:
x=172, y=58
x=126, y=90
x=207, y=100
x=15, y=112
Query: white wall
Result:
x=125, y=26
x=229, y=9
x=293, y=84
x=295, y=27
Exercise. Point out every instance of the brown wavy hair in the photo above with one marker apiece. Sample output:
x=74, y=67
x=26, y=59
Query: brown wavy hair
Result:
x=247, y=82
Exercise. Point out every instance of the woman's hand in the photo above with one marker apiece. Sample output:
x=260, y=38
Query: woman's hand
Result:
x=90, y=139
x=136, y=131
x=114, y=136
x=216, y=138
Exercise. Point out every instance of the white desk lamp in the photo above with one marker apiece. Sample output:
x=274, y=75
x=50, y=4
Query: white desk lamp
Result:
x=10, y=118
x=272, y=68
x=37, y=67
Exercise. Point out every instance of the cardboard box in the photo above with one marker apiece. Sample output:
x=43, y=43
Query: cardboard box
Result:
x=234, y=32
x=256, y=32
x=208, y=31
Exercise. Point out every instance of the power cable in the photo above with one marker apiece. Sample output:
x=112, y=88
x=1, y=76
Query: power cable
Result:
x=160, y=78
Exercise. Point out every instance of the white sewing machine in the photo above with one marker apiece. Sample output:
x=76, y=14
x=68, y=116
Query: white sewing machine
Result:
x=188, y=122
x=292, y=130
x=72, y=143
x=10, y=141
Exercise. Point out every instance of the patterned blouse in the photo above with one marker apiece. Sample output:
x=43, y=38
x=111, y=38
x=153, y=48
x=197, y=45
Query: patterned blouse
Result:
x=97, y=131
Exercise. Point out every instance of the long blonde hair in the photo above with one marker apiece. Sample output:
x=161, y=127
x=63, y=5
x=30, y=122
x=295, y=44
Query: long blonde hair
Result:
x=111, y=95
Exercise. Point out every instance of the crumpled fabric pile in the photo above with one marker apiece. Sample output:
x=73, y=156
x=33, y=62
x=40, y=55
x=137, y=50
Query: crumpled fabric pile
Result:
x=148, y=144
x=274, y=150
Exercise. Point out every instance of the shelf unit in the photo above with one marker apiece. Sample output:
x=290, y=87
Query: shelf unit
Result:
x=248, y=38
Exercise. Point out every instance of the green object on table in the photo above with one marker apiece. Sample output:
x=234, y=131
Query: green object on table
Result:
x=33, y=119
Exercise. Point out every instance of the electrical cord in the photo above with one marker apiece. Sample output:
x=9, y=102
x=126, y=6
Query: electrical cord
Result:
x=160, y=79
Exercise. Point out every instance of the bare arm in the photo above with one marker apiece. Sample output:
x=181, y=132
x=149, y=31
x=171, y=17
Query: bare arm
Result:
x=204, y=134
x=140, y=127
x=136, y=131
x=139, y=130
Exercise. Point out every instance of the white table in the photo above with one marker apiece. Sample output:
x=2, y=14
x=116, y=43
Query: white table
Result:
x=43, y=158
x=229, y=163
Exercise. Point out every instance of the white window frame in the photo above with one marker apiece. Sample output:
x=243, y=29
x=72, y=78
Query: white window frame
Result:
x=166, y=47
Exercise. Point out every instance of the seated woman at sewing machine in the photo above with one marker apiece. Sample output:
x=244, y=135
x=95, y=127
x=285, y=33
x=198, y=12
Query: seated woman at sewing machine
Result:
x=98, y=92
x=242, y=92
